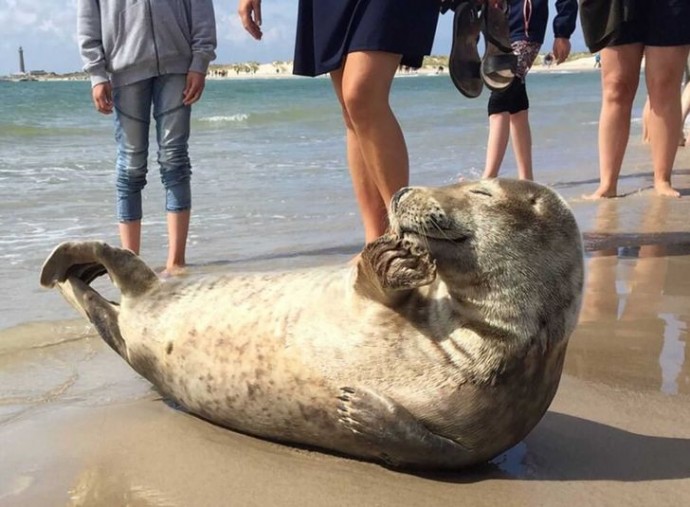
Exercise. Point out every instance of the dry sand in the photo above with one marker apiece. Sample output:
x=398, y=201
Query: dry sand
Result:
x=284, y=69
x=617, y=434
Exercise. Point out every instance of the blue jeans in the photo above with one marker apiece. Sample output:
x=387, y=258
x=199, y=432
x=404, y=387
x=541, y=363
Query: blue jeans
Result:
x=132, y=119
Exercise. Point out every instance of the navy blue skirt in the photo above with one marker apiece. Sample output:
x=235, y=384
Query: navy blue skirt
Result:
x=327, y=30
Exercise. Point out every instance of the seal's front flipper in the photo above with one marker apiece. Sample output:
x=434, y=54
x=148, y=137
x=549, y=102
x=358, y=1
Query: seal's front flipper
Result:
x=87, y=260
x=389, y=267
x=394, y=435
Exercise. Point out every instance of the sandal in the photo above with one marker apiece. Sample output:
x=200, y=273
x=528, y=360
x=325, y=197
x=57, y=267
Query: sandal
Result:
x=464, y=64
x=499, y=63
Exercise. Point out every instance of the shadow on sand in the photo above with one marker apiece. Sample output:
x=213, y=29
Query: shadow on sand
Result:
x=568, y=448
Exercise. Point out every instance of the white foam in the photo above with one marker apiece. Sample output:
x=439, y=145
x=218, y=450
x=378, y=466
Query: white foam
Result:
x=240, y=117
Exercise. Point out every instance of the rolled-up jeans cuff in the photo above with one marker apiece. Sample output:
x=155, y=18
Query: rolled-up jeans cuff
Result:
x=178, y=197
x=129, y=208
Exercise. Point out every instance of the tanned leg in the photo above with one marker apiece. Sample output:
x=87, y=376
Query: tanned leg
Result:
x=499, y=133
x=663, y=73
x=620, y=73
x=178, y=228
x=377, y=154
x=685, y=111
x=130, y=235
x=521, y=137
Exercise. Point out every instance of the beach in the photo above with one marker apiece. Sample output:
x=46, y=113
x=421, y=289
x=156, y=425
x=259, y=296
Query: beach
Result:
x=78, y=427
x=433, y=66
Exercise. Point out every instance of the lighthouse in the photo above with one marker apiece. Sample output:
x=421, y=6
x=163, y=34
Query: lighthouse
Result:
x=21, y=61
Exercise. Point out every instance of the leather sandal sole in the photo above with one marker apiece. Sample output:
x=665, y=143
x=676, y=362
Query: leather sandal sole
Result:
x=464, y=64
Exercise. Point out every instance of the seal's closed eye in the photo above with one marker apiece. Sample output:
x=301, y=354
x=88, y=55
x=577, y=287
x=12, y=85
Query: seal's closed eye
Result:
x=481, y=191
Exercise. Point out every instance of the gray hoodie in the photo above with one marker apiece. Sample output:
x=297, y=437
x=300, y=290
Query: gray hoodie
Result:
x=125, y=41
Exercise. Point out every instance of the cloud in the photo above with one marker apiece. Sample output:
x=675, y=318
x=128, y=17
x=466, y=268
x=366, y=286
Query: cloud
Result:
x=21, y=19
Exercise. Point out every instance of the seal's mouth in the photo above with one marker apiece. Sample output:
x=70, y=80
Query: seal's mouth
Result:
x=423, y=234
x=416, y=215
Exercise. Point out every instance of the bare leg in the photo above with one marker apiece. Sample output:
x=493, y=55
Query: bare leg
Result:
x=521, y=137
x=178, y=228
x=620, y=74
x=685, y=111
x=499, y=132
x=377, y=154
x=663, y=73
x=130, y=235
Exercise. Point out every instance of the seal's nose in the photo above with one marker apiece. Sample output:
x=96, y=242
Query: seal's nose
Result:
x=399, y=196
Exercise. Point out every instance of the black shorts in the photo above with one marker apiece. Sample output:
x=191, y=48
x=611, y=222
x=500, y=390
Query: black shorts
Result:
x=655, y=23
x=511, y=100
x=327, y=30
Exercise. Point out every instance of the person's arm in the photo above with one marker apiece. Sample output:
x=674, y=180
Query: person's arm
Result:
x=203, y=45
x=250, y=15
x=93, y=55
x=563, y=27
x=203, y=33
x=90, y=40
x=566, y=18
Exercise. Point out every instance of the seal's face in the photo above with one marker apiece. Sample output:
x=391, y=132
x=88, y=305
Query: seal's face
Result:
x=485, y=232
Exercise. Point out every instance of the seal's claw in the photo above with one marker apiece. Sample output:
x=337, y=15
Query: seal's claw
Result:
x=393, y=433
x=366, y=412
x=409, y=272
x=399, y=263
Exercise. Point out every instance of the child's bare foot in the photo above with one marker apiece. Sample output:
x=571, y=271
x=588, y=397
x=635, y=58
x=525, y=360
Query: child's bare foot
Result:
x=601, y=193
x=665, y=189
x=173, y=271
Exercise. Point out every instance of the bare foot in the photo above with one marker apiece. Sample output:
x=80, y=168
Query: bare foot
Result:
x=601, y=193
x=664, y=188
x=173, y=271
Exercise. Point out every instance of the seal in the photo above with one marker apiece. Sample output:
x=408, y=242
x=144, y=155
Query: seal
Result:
x=440, y=348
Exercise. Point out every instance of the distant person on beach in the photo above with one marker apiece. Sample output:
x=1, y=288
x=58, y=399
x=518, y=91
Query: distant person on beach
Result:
x=362, y=45
x=508, y=109
x=139, y=56
x=548, y=60
x=659, y=30
x=597, y=61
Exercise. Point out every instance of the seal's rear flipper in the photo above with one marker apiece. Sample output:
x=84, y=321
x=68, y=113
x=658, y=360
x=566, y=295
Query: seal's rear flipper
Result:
x=87, y=260
x=96, y=309
x=394, y=435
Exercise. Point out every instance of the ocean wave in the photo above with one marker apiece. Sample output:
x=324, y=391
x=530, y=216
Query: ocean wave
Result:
x=240, y=117
x=31, y=131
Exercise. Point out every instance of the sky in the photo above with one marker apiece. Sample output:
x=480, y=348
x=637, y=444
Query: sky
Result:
x=46, y=31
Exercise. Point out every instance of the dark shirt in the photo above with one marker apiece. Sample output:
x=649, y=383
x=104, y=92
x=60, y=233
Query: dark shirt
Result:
x=528, y=19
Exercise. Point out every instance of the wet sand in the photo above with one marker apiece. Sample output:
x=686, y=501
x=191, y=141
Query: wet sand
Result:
x=92, y=433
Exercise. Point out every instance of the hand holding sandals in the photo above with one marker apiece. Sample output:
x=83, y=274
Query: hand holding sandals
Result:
x=497, y=67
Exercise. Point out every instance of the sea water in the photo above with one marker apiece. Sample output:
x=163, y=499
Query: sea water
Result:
x=270, y=181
